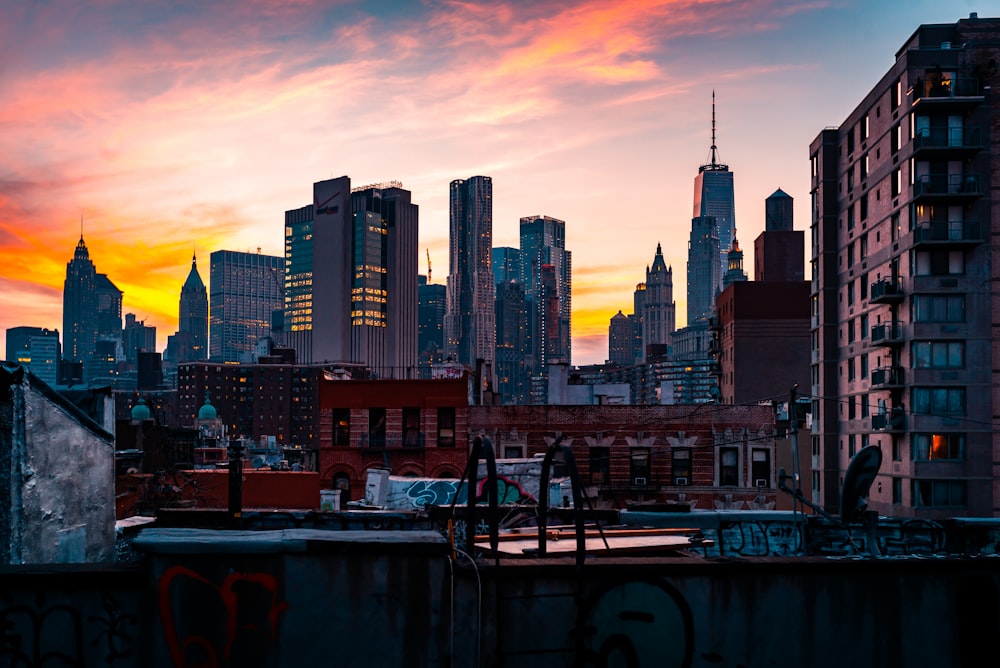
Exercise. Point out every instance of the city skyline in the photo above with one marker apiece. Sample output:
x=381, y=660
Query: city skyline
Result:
x=563, y=105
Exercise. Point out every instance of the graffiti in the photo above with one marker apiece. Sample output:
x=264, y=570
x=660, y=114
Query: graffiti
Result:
x=637, y=623
x=424, y=493
x=244, y=611
x=760, y=539
x=114, y=629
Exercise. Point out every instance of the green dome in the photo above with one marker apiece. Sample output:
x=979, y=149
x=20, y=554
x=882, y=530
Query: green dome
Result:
x=208, y=412
x=141, y=411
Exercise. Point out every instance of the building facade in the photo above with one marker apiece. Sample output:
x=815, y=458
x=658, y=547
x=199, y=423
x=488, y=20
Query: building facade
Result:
x=903, y=297
x=470, y=329
x=245, y=290
x=37, y=349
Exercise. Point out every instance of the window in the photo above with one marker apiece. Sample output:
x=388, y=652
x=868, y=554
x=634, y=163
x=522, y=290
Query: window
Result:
x=850, y=324
x=863, y=246
x=639, y=469
x=939, y=308
x=850, y=142
x=760, y=467
x=850, y=370
x=852, y=445
x=863, y=207
x=729, y=472
x=896, y=94
x=897, y=182
x=863, y=166
x=411, y=428
x=938, y=354
x=896, y=139
x=895, y=226
x=863, y=128
x=446, y=427
x=850, y=284
x=376, y=427
x=600, y=466
x=938, y=493
x=864, y=397
x=897, y=490
x=851, y=408
x=341, y=426
x=863, y=334
x=864, y=365
x=934, y=447
x=850, y=217
x=681, y=465
x=939, y=400
x=940, y=263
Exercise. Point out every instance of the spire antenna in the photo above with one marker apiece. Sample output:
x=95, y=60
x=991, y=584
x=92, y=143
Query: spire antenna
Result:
x=714, y=157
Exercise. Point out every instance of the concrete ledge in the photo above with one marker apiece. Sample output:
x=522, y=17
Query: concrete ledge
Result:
x=209, y=541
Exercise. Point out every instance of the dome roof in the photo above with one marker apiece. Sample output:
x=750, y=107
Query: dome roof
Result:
x=141, y=411
x=207, y=412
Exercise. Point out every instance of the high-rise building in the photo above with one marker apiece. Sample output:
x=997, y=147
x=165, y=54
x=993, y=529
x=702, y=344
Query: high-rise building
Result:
x=620, y=340
x=904, y=207
x=352, y=258
x=713, y=196
x=507, y=265
x=433, y=299
x=244, y=291
x=37, y=349
x=704, y=277
x=80, y=306
x=658, y=309
x=193, y=315
x=470, y=328
x=547, y=276
x=137, y=337
x=109, y=309
x=512, y=373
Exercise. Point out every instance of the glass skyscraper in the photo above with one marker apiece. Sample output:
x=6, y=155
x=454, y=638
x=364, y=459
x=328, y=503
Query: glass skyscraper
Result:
x=245, y=289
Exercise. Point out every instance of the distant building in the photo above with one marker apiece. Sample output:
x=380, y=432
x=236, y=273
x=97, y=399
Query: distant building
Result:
x=245, y=289
x=659, y=318
x=507, y=264
x=904, y=298
x=511, y=368
x=734, y=269
x=620, y=340
x=714, y=198
x=704, y=274
x=433, y=300
x=81, y=297
x=470, y=329
x=37, y=349
x=137, y=337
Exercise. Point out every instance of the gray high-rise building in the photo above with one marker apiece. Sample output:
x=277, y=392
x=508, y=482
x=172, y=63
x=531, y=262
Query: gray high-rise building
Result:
x=905, y=213
x=713, y=197
x=244, y=291
x=547, y=275
x=470, y=327
x=357, y=274
x=620, y=340
x=37, y=349
x=704, y=275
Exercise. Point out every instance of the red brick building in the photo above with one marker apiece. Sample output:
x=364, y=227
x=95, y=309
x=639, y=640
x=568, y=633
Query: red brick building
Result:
x=717, y=456
x=411, y=427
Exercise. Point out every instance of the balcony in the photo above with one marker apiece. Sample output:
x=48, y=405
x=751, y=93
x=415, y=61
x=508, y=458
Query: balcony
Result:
x=941, y=89
x=948, y=186
x=887, y=376
x=892, y=422
x=886, y=291
x=947, y=233
x=943, y=143
x=887, y=333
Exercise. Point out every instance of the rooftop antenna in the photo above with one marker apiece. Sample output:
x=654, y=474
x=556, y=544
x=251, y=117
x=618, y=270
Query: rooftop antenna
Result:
x=428, y=266
x=713, y=157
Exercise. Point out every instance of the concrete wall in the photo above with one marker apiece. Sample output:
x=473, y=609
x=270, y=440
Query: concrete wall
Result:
x=58, y=477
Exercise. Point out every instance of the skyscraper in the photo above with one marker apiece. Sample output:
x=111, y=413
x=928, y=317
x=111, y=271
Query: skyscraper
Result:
x=193, y=316
x=36, y=348
x=904, y=297
x=704, y=276
x=470, y=331
x=546, y=268
x=513, y=379
x=507, y=265
x=433, y=299
x=659, y=311
x=620, y=340
x=80, y=306
x=355, y=280
x=713, y=196
x=244, y=291
x=137, y=337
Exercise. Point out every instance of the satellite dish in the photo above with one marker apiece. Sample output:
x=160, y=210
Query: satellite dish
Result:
x=858, y=480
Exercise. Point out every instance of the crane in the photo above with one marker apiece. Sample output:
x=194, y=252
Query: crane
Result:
x=428, y=266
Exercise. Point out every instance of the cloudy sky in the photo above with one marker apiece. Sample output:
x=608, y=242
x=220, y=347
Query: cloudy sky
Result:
x=192, y=125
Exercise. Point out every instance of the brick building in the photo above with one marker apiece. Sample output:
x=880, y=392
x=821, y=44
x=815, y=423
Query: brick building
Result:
x=411, y=427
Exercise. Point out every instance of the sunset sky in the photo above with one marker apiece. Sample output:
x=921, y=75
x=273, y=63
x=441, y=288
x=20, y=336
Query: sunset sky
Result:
x=173, y=127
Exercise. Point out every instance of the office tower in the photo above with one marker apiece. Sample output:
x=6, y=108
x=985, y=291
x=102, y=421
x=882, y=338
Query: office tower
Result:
x=244, y=289
x=193, y=316
x=636, y=319
x=713, y=196
x=703, y=271
x=546, y=273
x=470, y=328
x=507, y=265
x=37, y=348
x=137, y=337
x=109, y=308
x=354, y=283
x=299, y=244
x=904, y=347
x=659, y=310
x=512, y=374
x=779, y=251
x=80, y=306
x=620, y=340
x=734, y=267
x=433, y=299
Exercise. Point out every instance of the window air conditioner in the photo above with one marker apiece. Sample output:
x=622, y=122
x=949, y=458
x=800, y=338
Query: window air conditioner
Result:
x=760, y=482
x=638, y=481
x=681, y=481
